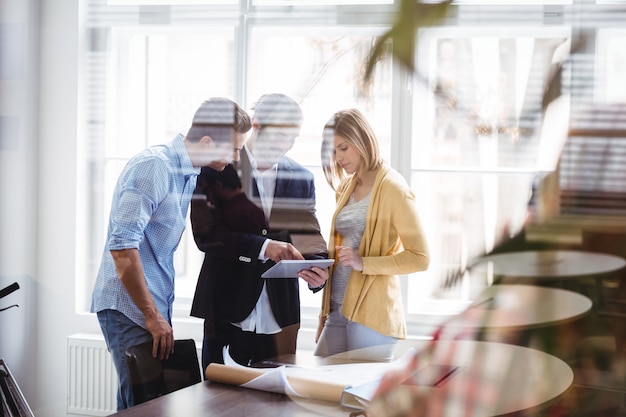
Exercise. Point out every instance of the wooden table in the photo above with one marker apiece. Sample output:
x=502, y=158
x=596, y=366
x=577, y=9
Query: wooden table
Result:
x=494, y=379
x=521, y=307
x=566, y=267
x=505, y=308
x=550, y=264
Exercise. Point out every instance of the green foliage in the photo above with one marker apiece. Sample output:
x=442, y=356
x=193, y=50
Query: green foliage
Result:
x=411, y=16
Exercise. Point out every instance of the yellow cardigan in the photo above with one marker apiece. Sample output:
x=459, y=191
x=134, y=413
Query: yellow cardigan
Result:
x=393, y=243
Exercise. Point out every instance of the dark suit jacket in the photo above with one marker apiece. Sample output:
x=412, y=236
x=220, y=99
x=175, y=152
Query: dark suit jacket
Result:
x=293, y=208
x=230, y=280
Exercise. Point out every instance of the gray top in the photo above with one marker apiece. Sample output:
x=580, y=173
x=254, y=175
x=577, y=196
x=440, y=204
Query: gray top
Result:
x=350, y=224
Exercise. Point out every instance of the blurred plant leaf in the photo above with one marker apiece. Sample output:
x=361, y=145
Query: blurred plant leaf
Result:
x=410, y=17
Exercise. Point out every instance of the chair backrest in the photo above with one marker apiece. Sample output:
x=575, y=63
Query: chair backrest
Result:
x=611, y=241
x=152, y=377
x=12, y=401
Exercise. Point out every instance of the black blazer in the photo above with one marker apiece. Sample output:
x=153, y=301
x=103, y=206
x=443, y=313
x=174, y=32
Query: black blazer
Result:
x=230, y=280
x=292, y=216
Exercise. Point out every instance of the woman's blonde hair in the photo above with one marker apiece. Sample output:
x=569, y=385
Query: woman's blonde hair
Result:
x=351, y=125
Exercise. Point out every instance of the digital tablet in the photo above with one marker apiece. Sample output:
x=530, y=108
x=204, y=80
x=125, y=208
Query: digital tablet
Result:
x=290, y=269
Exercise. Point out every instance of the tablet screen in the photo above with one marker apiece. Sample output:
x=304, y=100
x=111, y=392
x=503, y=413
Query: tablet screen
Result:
x=290, y=269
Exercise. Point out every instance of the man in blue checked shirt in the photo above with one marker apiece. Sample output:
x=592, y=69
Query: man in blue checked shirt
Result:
x=134, y=289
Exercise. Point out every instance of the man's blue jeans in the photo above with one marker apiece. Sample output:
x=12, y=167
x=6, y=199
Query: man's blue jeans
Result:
x=121, y=333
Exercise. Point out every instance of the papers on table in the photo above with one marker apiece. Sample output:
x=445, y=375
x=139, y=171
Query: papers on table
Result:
x=326, y=383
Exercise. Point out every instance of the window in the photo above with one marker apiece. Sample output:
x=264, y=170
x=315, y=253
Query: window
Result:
x=481, y=117
x=468, y=131
x=144, y=90
x=321, y=72
x=316, y=2
x=144, y=81
x=611, y=58
x=591, y=177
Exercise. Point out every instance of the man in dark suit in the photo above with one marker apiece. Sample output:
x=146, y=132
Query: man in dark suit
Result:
x=260, y=318
x=227, y=288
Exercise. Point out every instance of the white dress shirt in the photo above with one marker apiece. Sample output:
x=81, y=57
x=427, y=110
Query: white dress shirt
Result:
x=261, y=320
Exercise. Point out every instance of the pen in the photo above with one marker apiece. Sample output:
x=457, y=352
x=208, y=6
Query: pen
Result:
x=488, y=300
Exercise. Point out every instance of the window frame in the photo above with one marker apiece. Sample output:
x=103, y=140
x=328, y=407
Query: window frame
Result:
x=244, y=15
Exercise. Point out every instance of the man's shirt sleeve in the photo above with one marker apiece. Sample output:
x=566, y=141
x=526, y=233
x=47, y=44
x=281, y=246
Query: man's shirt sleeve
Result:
x=140, y=189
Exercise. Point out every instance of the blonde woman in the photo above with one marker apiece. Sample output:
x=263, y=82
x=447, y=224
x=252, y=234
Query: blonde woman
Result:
x=375, y=236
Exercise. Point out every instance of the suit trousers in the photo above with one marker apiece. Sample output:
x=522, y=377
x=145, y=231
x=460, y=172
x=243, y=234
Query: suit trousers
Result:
x=247, y=347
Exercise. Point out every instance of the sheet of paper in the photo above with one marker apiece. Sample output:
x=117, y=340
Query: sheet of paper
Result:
x=324, y=383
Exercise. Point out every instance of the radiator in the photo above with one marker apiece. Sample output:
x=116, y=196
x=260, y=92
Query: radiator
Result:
x=92, y=380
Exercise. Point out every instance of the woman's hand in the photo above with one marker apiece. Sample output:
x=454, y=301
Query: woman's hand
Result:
x=349, y=257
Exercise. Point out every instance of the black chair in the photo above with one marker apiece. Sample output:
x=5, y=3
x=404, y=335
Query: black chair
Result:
x=600, y=360
x=152, y=377
x=12, y=401
x=611, y=291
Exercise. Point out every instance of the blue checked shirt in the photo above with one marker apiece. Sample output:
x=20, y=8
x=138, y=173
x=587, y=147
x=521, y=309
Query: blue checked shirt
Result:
x=148, y=212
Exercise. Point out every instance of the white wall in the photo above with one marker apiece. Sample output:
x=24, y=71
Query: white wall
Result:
x=18, y=180
x=37, y=162
x=38, y=201
x=56, y=315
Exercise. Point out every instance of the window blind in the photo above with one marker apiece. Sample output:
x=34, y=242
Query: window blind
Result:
x=592, y=170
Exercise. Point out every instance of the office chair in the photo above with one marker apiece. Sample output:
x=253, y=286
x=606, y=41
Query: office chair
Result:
x=611, y=291
x=12, y=401
x=601, y=358
x=152, y=377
